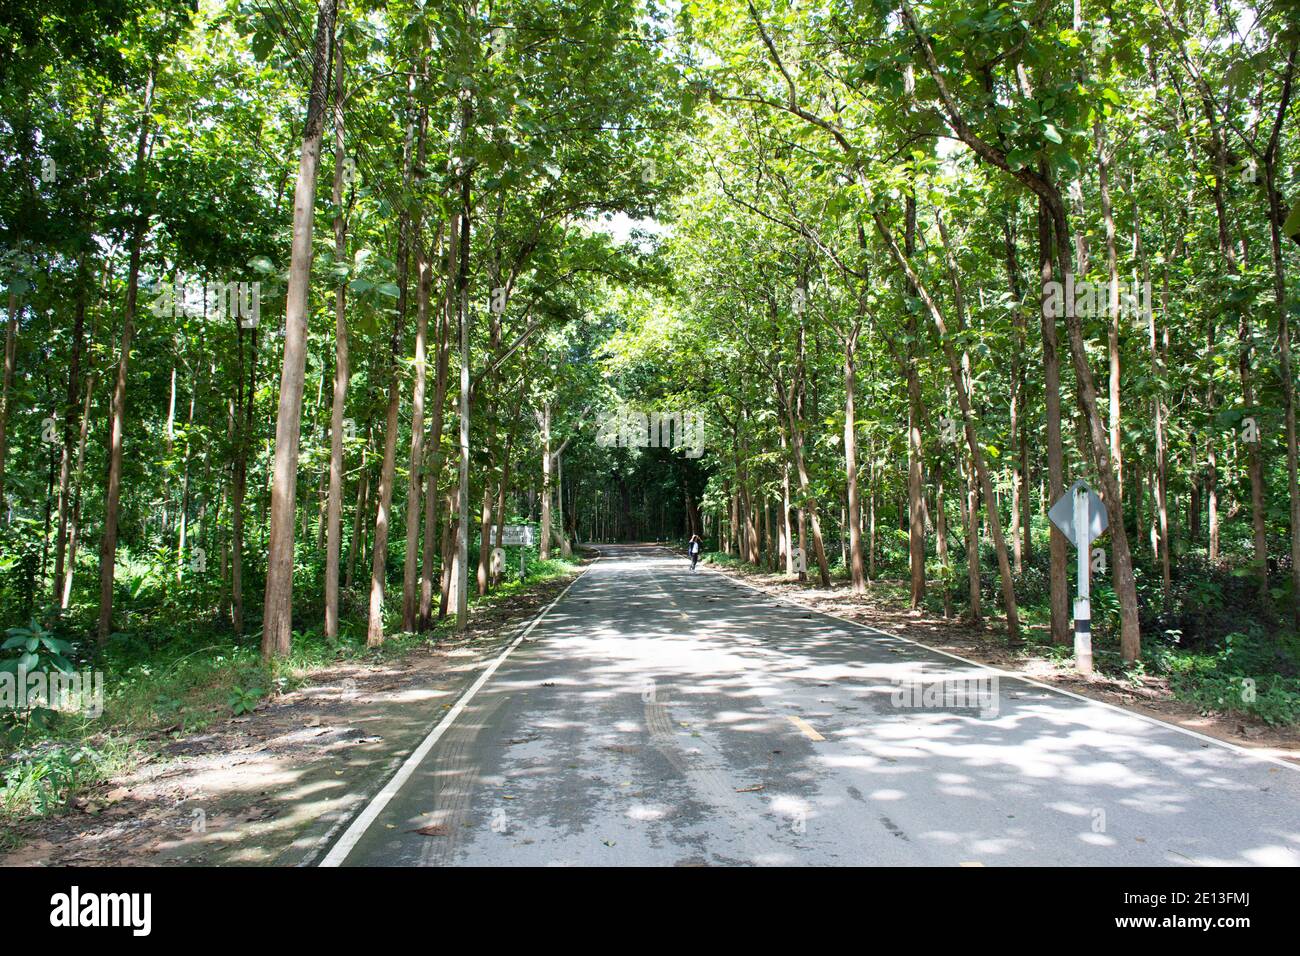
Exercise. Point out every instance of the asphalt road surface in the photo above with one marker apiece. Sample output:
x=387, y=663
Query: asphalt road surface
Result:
x=656, y=716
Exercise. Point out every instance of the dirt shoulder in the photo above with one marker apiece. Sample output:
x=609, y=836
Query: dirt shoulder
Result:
x=1150, y=696
x=273, y=787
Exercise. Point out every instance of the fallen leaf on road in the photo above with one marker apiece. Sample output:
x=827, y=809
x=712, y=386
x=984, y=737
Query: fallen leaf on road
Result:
x=754, y=789
x=433, y=829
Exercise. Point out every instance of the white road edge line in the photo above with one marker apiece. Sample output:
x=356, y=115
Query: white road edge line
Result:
x=1246, y=751
x=340, y=850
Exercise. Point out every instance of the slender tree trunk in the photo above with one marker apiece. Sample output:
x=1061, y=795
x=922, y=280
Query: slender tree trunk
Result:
x=449, y=539
x=857, y=574
x=788, y=532
x=74, y=525
x=1112, y=269
x=73, y=403
x=1245, y=337
x=963, y=401
x=1288, y=375
x=1020, y=464
x=277, y=613
x=445, y=317
x=485, y=538
x=462, y=495
x=915, y=417
x=941, y=543
x=566, y=546
x=117, y=414
x=410, y=571
x=972, y=511
x=1062, y=632
x=182, y=534
x=11, y=361
x=1086, y=394
x=1161, y=486
x=387, y=473
x=334, y=514
x=358, y=517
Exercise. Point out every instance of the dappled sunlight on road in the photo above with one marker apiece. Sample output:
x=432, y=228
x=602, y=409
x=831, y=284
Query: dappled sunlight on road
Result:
x=663, y=716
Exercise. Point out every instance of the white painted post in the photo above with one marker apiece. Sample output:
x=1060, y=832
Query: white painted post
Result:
x=1082, y=603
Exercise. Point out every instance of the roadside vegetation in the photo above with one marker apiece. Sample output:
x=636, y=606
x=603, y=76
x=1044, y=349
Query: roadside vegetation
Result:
x=171, y=677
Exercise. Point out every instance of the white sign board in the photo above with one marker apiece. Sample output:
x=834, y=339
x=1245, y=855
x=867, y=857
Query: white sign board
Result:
x=798, y=560
x=1062, y=515
x=515, y=534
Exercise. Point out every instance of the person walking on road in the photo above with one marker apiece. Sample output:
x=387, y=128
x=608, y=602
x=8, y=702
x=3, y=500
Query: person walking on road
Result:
x=693, y=549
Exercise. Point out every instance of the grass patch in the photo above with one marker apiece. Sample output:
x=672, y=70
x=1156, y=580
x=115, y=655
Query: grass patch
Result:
x=178, y=679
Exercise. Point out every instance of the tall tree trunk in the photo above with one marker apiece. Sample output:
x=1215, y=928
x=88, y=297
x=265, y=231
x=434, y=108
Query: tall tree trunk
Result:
x=383, y=513
x=277, y=613
x=1086, y=394
x=963, y=401
x=1284, y=360
x=359, y=515
x=485, y=538
x=857, y=574
x=74, y=524
x=1019, y=488
x=1112, y=271
x=971, y=511
x=787, y=531
x=1062, y=632
x=183, y=532
x=334, y=515
x=410, y=570
x=941, y=543
x=446, y=317
x=388, y=469
x=1245, y=336
x=73, y=404
x=566, y=548
x=117, y=413
x=1162, y=444
x=462, y=494
x=11, y=361
x=915, y=416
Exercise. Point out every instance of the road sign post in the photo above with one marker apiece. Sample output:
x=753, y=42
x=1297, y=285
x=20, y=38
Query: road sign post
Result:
x=1081, y=517
x=1082, y=603
x=519, y=535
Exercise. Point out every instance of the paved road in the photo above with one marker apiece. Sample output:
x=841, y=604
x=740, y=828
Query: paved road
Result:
x=660, y=717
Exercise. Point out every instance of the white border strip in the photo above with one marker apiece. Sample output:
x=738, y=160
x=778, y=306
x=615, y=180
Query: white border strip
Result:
x=783, y=599
x=339, y=852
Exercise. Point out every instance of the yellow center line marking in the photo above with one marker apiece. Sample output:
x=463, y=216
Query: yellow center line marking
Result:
x=805, y=728
x=970, y=864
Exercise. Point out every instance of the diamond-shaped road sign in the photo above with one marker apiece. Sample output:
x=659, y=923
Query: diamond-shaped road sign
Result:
x=1062, y=514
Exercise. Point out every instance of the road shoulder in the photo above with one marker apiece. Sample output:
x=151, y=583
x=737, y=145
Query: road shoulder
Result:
x=274, y=786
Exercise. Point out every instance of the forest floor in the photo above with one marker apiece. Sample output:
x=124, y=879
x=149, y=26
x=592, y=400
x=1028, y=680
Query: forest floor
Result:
x=273, y=786
x=1146, y=694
